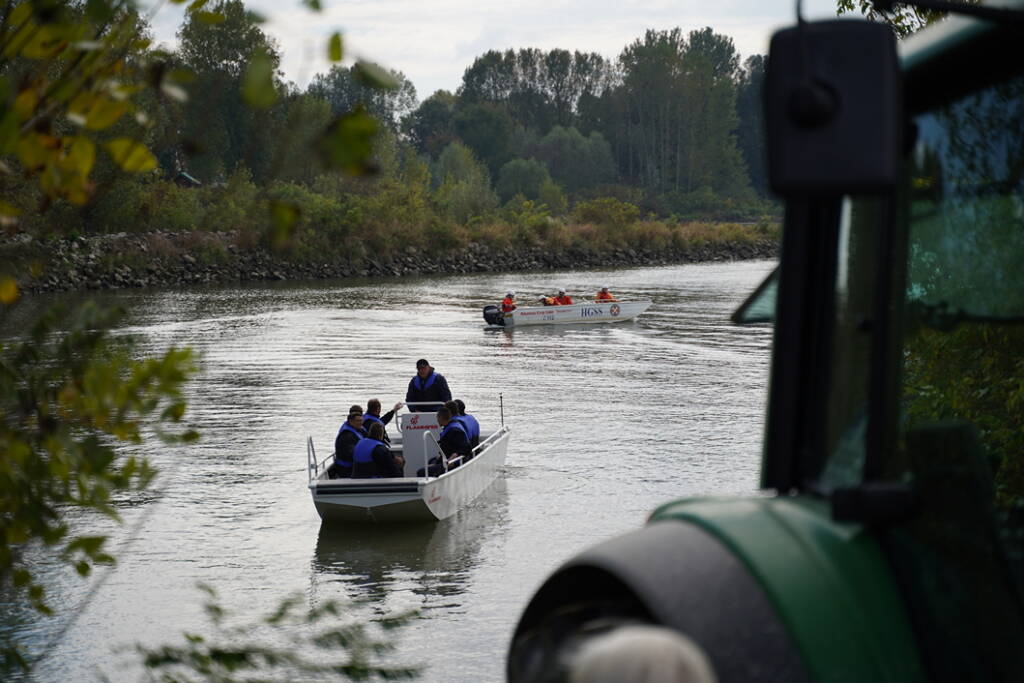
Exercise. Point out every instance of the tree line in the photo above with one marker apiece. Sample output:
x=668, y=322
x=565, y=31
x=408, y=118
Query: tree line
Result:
x=671, y=126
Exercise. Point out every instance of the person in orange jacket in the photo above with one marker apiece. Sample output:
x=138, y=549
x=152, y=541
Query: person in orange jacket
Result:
x=563, y=299
x=547, y=300
x=605, y=295
x=508, y=304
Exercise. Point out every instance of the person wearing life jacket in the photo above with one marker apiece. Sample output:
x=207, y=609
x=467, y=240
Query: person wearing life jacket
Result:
x=548, y=300
x=563, y=299
x=472, y=426
x=457, y=416
x=427, y=385
x=508, y=304
x=372, y=416
x=349, y=435
x=453, y=441
x=605, y=295
x=372, y=459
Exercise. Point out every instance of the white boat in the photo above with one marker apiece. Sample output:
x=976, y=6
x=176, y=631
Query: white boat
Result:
x=409, y=498
x=583, y=312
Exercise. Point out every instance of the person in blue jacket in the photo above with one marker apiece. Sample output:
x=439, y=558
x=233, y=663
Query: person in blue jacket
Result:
x=372, y=459
x=349, y=435
x=453, y=441
x=472, y=426
x=372, y=415
x=427, y=385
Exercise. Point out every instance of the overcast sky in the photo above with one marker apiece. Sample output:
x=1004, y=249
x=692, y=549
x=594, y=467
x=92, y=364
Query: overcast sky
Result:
x=433, y=41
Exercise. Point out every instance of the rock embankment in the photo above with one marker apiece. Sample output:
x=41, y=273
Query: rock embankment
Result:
x=175, y=259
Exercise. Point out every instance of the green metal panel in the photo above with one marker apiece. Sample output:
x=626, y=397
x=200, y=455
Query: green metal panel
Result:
x=829, y=582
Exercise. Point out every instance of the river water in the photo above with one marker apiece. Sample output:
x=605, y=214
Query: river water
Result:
x=608, y=421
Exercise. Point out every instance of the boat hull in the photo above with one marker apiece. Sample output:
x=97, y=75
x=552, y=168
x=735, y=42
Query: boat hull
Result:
x=588, y=312
x=410, y=499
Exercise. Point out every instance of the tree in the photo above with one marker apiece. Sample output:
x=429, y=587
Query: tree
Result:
x=220, y=129
x=485, y=128
x=345, y=88
x=429, y=127
x=750, y=132
x=521, y=177
x=574, y=161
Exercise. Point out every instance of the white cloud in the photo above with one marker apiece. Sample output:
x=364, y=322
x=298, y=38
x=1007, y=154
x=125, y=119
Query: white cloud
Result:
x=433, y=42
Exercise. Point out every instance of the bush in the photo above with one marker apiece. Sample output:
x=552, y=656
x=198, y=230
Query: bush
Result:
x=607, y=212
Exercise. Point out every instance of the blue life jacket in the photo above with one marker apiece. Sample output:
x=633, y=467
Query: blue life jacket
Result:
x=347, y=426
x=429, y=381
x=472, y=426
x=363, y=452
x=454, y=424
x=371, y=418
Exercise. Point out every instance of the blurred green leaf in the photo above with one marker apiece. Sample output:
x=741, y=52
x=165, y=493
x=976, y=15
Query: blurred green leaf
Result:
x=131, y=155
x=258, y=83
x=348, y=142
x=373, y=76
x=335, y=50
x=100, y=11
x=284, y=217
x=210, y=18
x=313, y=5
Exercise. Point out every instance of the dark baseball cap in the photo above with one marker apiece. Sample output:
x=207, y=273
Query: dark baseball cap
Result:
x=422, y=363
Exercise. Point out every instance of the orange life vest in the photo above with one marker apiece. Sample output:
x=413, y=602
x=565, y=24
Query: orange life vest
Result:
x=563, y=300
x=605, y=296
x=508, y=305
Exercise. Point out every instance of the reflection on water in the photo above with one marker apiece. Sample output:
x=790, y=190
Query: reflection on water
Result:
x=431, y=560
x=608, y=421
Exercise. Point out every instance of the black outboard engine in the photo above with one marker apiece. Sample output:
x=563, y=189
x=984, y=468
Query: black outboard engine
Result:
x=493, y=315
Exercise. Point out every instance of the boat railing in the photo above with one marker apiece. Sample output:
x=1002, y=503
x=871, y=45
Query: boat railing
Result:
x=446, y=462
x=314, y=467
x=490, y=439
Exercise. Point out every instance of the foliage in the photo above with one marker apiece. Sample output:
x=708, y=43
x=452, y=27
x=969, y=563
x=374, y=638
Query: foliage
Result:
x=607, y=212
x=973, y=372
x=522, y=177
x=904, y=20
x=237, y=653
x=343, y=88
x=69, y=392
x=68, y=74
x=574, y=161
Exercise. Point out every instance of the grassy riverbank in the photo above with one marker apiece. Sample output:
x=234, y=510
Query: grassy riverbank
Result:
x=172, y=235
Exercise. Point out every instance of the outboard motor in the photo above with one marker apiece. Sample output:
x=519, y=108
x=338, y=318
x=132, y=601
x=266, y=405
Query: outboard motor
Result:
x=493, y=315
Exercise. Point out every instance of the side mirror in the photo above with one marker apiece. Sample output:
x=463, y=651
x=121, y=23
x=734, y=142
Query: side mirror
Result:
x=833, y=109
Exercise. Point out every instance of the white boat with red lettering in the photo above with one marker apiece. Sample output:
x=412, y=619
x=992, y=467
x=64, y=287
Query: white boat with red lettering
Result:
x=583, y=312
x=409, y=498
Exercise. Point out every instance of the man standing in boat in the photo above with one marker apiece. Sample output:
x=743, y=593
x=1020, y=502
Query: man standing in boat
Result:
x=427, y=385
x=563, y=299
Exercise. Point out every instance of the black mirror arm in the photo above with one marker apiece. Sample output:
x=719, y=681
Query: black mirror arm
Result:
x=996, y=14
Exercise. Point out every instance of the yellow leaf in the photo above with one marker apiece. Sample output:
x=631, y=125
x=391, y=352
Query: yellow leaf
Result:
x=131, y=155
x=104, y=113
x=35, y=149
x=8, y=209
x=82, y=155
x=43, y=44
x=8, y=291
x=25, y=103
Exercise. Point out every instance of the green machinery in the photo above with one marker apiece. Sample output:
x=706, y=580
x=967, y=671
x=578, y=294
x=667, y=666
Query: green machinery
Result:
x=887, y=545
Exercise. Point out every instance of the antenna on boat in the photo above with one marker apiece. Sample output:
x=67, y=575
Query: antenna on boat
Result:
x=501, y=408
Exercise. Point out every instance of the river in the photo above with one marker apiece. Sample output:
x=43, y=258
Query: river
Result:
x=607, y=422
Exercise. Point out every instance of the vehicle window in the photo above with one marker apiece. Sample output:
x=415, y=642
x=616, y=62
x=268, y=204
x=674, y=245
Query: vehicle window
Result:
x=963, y=365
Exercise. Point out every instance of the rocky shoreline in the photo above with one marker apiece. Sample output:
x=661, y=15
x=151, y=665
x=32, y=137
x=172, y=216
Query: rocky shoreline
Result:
x=174, y=259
